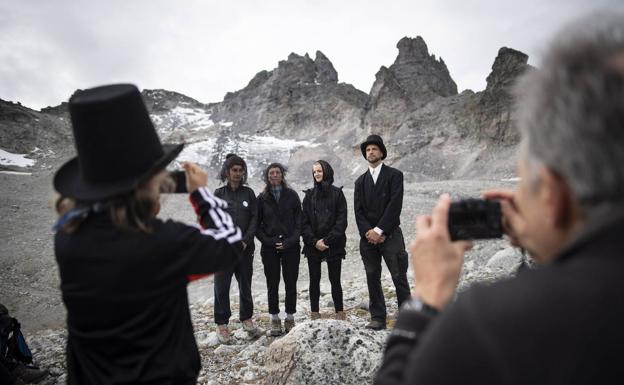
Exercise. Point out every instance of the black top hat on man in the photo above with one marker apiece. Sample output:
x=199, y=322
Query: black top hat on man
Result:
x=376, y=140
x=118, y=148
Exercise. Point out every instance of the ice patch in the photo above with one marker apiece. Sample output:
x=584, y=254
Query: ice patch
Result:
x=194, y=119
x=19, y=160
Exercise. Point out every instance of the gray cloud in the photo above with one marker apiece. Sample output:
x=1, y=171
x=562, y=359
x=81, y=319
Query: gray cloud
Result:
x=207, y=48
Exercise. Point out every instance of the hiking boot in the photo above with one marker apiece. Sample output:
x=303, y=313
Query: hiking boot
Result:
x=223, y=334
x=341, y=315
x=29, y=374
x=250, y=327
x=276, y=327
x=314, y=315
x=289, y=324
x=376, y=325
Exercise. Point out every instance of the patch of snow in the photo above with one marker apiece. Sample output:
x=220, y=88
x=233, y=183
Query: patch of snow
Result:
x=10, y=159
x=226, y=124
x=516, y=179
x=16, y=173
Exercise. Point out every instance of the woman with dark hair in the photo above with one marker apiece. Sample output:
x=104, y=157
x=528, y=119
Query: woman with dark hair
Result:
x=243, y=209
x=279, y=229
x=123, y=271
x=323, y=231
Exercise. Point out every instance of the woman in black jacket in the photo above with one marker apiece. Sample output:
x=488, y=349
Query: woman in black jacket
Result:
x=323, y=230
x=279, y=229
x=123, y=271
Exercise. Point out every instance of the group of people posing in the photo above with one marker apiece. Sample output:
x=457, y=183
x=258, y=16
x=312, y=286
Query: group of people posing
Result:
x=279, y=220
x=124, y=272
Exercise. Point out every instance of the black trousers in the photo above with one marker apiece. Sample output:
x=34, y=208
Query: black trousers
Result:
x=243, y=271
x=393, y=253
x=288, y=262
x=333, y=268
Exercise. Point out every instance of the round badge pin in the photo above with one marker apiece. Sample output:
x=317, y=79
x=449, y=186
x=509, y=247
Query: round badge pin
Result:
x=245, y=203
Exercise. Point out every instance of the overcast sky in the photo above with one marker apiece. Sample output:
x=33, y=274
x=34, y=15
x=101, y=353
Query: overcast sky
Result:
x=204, y=49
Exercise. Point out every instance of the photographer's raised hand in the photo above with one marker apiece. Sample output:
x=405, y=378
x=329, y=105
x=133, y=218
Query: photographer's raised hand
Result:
x=514, y=224
x=436, y=261
x=196, y=177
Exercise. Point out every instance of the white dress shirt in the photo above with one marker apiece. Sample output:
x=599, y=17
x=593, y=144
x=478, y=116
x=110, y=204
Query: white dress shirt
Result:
x=375, y=174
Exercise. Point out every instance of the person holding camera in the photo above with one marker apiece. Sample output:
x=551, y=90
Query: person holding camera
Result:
x=560, y=323
x=243, y=208
x=323, y=233
x=378, y=199
x=279, y=229
x=123, y=271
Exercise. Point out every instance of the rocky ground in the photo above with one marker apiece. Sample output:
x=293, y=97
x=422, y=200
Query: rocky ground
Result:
x=324, y=351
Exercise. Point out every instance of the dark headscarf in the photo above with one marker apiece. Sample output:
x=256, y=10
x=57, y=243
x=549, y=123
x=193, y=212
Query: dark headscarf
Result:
x=328, y=178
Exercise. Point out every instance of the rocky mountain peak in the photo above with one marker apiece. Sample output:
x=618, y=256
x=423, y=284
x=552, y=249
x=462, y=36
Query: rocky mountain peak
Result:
x=325, y=71
x=420, y=75
x=412, y=50
x=508, y=65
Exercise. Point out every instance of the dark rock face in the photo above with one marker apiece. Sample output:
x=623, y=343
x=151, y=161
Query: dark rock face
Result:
x=22, y=129
x=415, y=79
x=496, y=121
x=301, y=96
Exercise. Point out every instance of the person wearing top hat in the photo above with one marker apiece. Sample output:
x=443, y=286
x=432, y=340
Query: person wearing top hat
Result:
x=378, y=199
x=123, y=271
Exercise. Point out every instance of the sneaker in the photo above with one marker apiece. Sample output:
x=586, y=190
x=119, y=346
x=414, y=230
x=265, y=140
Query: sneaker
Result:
x=276, y=327
x=341, y=315
x=250, y=327
x=29, y=374
x=314, y=315
x=223, y=334
x=289, y=324
x=376, y=325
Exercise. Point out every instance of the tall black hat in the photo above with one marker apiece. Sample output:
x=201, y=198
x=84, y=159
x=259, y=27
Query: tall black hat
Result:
x=374, y=139
x=117, y=145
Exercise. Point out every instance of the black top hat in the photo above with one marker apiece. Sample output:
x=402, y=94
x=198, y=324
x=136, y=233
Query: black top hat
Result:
x=117, y=145
x=374, y=139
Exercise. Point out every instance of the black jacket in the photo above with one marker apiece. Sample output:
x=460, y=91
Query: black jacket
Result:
x=324, y=217
x=279, y=218
x=559, y=324
x=378, y=205
x=243, y=208
x=128, y=319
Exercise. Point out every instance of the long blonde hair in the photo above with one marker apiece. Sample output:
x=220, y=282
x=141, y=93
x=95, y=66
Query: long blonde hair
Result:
x=130, y=211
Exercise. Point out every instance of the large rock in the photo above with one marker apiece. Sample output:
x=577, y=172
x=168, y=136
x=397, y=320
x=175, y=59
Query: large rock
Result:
x=325, y=352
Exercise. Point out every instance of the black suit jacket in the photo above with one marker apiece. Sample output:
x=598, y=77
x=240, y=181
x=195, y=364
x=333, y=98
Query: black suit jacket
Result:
x=378, y=204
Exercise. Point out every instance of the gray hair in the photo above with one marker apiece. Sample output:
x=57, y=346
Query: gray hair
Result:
x=571, y=110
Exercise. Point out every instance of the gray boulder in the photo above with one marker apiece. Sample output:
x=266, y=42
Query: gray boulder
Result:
x=325, y=352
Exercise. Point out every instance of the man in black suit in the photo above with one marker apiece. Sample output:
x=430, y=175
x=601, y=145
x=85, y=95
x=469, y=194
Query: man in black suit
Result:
x=378, y=199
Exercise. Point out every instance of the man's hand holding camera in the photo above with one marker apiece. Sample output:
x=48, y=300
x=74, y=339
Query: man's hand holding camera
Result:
x=436, y=261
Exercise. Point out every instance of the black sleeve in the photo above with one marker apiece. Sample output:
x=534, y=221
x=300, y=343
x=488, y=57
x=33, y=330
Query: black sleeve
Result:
x=306, y=226
x=340, y=227
x=391, y=216
x=264, y=238
x=403, y=340
x=217, y=245
x=293, y=238
x=454, y=348
x=248, y=237
x=358, y=206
